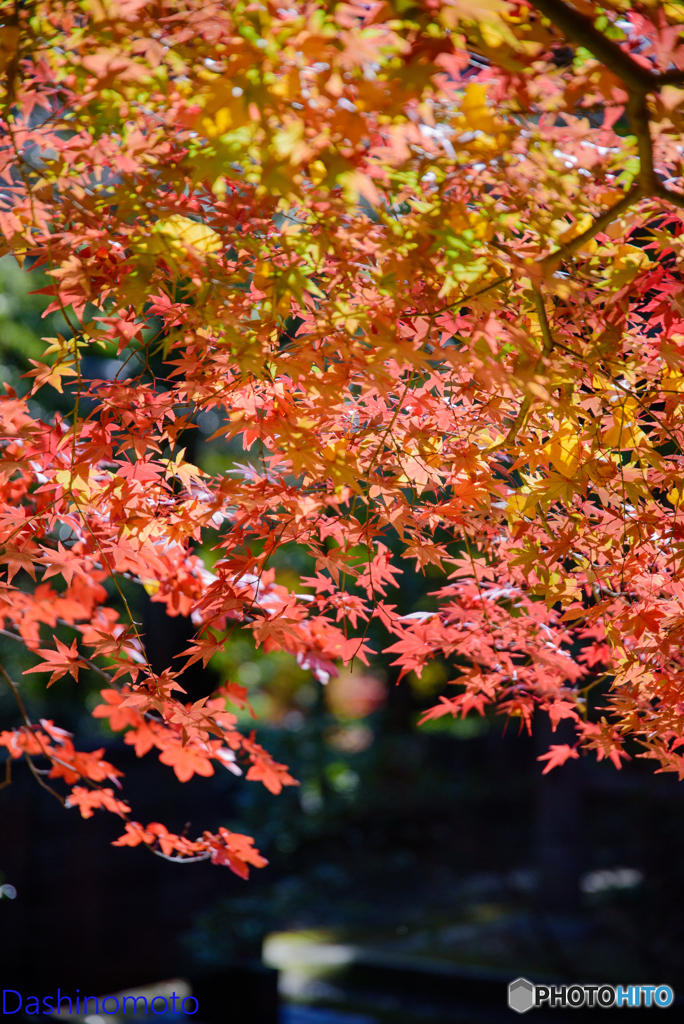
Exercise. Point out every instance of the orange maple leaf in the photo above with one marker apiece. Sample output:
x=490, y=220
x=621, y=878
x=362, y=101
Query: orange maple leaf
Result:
x=87, y=800
x=558, y=753
x=17, y=559
x=235, y=851
x=134, y=835
x=64, y=659
x=187, y=760
x=265, y=769
x=119, y=717
x=61, y=561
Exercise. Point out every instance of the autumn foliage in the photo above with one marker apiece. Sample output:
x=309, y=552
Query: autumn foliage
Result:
x=423, y=261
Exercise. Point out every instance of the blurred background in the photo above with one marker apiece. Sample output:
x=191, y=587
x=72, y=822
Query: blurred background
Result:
x=413, y=873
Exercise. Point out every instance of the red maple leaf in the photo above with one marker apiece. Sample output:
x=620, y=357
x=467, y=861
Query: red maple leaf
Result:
x=558, y=753
x=187, y=760
x=60, y=662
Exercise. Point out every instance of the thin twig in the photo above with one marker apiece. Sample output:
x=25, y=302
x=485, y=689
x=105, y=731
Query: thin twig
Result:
x=27, y=722
x=181, y=860
x=17, y=696
x=36, y=775
x=526, y=405
x=544, y=324
x=600, y=223
x=85, y=661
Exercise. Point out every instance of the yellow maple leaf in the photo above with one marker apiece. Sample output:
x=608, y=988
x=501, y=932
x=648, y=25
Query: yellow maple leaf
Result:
x=477, y=115
x=625, y=433
x=50, y=374
x=564, y=450
x=288, y=143
x=184, y=231
x=185, y=471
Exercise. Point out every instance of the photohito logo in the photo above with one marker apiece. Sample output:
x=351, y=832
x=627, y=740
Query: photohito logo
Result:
x=523, y=995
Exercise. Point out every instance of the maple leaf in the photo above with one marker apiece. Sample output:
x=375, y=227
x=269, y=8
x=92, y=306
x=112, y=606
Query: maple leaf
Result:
x=45, y=374
x=277, y=631
x=17, y=559
x=204, y=648
x=605, y=741
x=72, y=765
x=237, y=695
x=323, y=668
x=88, y=800
x=235, y=851
x=447, y=706
x=119, y=717
x=557, y=754
x=564, y=450
x=142, y=738
x=125, y=327
x=12, y=739
x=265, y=769
x=166, y=839
x=62, y=561
x=184, y=471
x=227, y=759
x=54, y=731
x=190, y=233
x=134, y=835
x=559, y=710
x=187, y=760
x=60, y=662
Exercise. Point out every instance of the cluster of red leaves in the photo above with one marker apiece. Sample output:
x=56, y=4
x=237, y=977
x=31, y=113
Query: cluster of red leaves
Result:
x=55, y=744
x=182, y=733
x=231, y=849
x=416, y=268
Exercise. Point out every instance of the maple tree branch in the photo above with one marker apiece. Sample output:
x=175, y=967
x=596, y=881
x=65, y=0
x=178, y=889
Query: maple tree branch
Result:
x=27, y=722
x=41, y=782
x=8, y=772
x=676, y=198
x=56, y=760
x=600, y=223
x=581, y=29
x=638, y=80
x=515, y=427
x=29, y=725
x=545, y=521
x=637, y=112
x=672, y=77
x=548, y=346
x=326, y=391
x=544, y=324
x=17, y=696
x=599, y=679
x=463, y=300
x=11, y=20
x=180, y=860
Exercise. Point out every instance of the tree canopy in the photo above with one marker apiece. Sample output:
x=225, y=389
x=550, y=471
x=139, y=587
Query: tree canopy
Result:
x=422, y=260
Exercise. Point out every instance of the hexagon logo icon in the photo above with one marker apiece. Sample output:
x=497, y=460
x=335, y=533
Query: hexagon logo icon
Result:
x=521, y=995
